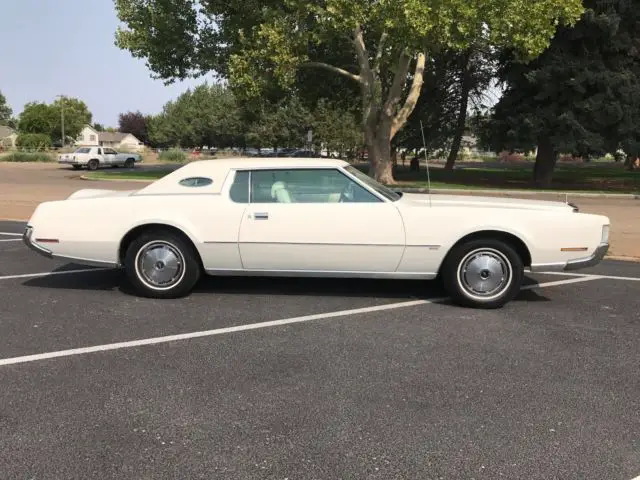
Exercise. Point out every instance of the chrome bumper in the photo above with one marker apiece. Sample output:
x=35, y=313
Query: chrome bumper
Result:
x=26, y=238
x=578, y=264
x=590, y=261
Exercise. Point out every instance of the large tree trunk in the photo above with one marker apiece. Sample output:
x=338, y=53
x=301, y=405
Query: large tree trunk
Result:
x=545, y=163
x=382, y=118
x=379, y=149
x=461, y=122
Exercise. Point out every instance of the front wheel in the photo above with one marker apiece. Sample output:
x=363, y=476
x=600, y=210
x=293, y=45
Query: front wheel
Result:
x=161, y=264
x=129, y=163
x=483, y=273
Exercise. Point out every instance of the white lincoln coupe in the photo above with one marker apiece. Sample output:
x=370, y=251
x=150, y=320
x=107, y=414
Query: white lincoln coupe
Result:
x=313, y=218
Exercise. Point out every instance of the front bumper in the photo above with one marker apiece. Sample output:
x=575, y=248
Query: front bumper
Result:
x=26, y=238
x=586, y=262
x=589, y=261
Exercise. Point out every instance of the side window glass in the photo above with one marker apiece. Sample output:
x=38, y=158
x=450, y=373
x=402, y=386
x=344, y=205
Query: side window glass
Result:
x=306, y=185
x=239, y=191
x=99, y=151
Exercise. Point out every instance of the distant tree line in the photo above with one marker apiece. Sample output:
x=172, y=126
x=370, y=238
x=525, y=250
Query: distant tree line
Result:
x=564, y=79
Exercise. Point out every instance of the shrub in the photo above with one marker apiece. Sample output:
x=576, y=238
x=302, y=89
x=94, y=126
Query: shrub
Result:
x=173, y=155
x=33, y=141
x=27, y=157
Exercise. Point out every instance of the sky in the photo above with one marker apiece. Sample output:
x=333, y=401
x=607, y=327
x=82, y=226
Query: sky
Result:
x=66, y=47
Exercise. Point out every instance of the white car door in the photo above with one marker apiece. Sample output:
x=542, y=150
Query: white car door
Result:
x=109, y=156
x=318, y=220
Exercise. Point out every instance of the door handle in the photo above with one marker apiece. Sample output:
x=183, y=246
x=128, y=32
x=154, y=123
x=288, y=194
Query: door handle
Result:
x=261, y=216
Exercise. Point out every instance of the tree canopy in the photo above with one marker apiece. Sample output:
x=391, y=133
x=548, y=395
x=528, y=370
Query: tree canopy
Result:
x=581, y=96
x=205, y=116
x=381, y=46
x=39, y=117
x=134, y=123
x=5, y=110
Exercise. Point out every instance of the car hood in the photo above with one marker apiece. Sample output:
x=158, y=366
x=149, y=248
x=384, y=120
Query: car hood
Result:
x=472, y=201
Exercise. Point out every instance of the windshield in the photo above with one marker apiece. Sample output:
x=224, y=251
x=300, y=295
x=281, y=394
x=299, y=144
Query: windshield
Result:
x=378, y=187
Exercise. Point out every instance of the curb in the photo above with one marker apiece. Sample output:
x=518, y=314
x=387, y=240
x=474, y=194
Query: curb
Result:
x=135, y=180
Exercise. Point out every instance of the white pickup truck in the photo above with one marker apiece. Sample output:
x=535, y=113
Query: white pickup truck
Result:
x=96, y=157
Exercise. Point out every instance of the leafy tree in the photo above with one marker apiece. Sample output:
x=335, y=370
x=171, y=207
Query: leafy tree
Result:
x=98, y=127
x=39, y=117
x=337, y=129
x=134, y=123
x=437, y=109
x=33, y=141
x=76, y=116
x=581, y=96
x=5, y=110
x=384, y=44
x=283, y=124
x=206, y=115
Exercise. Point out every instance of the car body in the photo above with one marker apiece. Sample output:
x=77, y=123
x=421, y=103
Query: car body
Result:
x=315, y=218
x=96, y=157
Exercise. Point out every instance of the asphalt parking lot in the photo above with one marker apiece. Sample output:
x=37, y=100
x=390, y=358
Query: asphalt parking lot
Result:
x=315, y=379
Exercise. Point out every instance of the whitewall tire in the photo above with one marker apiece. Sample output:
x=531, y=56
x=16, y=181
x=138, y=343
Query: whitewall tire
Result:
x=162, y=264
x=483, y=273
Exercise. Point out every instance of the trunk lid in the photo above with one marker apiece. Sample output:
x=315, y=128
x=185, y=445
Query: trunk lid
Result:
x=99, y=193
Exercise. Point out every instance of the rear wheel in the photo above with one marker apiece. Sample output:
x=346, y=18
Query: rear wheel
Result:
x=93, y=164
x=161, y=264
x=483, y=273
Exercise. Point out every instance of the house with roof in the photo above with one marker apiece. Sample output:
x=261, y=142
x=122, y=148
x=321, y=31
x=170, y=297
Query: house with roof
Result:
x=90, y=137
x=8, y=137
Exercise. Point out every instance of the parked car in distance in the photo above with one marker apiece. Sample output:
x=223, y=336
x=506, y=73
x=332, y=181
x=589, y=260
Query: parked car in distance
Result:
x=97, y=157
x=313, y=218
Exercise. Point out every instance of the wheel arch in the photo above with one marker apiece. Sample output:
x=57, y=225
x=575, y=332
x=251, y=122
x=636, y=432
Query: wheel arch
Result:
x=139, y=229
x=510, y=238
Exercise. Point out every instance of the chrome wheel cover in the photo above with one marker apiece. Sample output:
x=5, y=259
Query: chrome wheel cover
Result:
x=160, y=265
x=484, y=274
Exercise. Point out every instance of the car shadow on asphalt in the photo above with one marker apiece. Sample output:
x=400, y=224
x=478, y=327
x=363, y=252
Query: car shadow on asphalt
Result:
x=115, y=280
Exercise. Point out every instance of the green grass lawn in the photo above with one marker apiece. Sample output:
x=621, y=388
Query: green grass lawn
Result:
x=141, y=175
x=592, y=178
x=600, y=178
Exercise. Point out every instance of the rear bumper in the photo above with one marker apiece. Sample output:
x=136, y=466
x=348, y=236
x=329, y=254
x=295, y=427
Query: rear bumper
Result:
x=26, y=238
x=586, y=262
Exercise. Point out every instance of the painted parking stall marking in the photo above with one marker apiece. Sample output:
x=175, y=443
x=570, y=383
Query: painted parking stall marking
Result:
x=585, y=275
x=47, y=274
x=253, y=326
x=6, y=237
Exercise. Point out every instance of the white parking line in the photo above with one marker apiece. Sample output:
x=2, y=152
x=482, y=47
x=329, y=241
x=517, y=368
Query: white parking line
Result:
x=585, y=275
x=10, y=239
x=8, y=234
x=252, y=326
x=46, y=274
